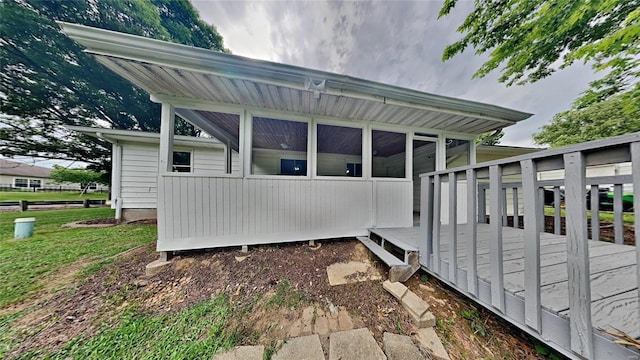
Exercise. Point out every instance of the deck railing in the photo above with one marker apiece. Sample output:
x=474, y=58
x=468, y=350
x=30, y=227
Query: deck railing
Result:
x=521, y=182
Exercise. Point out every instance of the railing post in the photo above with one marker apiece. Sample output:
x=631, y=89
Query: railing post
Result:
x=635, y=171
x=516, y=215
x=436, y=223
x=595, y=212
x=453, y=227
x=618, y=230
x=495, y=240
x=532, y=230
x=578, y=256
x=472, y=233
x=426, y=221
x=557, y=211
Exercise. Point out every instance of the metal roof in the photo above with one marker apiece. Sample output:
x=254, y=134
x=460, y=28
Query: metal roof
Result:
x=144, y=137
x=168, y=70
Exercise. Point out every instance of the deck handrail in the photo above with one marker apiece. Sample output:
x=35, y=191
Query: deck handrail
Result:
x=575, y=160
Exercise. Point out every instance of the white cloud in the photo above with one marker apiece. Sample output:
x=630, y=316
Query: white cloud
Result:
x=399, y=43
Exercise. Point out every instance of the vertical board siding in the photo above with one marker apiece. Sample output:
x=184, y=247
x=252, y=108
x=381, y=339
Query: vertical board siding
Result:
x=578, y=256
x=139, y=176
x=201, y=212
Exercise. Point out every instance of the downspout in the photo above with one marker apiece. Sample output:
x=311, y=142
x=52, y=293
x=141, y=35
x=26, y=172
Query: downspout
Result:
x=116, y=167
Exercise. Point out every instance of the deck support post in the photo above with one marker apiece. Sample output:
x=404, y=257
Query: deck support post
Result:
x=165, y=256
x=578, y=256
x=532, y=305
x=167, y=124
x=453, y=227
x=495, y=240
x=472, y=233
x=635, y=171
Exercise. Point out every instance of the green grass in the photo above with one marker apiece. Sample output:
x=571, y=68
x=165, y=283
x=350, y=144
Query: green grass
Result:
x=27, y=264
x=286, y=295
x=49, y=196
x=606, y=216
x=195, y=333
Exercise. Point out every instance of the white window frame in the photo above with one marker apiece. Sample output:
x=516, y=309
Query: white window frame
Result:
x=408, y=149
x=21, y=187
x=363, y=127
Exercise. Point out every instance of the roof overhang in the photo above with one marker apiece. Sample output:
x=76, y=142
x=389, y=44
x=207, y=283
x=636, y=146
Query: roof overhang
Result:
x=172, y=71
x=132, y=136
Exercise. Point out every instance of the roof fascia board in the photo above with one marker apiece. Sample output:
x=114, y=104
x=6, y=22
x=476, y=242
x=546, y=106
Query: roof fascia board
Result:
x=132, y=135
x=110, y=43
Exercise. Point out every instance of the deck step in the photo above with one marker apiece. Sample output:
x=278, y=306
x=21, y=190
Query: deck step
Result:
x=388, y=235
x=383, y=254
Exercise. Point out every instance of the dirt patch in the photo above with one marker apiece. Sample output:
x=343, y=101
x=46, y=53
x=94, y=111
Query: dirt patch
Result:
x=143, y=222
x=250, y=284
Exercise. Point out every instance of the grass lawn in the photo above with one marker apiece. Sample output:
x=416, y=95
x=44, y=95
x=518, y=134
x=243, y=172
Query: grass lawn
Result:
x=27, y=264
x=49, y=196
x=606, y=216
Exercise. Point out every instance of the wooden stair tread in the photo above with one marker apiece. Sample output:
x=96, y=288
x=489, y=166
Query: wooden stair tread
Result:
x=383, y=254
x=390, y=237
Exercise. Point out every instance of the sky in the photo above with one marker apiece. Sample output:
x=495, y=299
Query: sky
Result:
x=394, y=42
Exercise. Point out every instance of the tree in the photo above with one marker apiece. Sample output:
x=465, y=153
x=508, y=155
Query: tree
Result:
x=600, y=120
x=531, y=39
x=48, y=81
x=83, y=177
x=490, y=138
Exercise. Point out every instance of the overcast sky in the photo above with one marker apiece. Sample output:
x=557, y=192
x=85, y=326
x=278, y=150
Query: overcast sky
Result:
x=395, y=42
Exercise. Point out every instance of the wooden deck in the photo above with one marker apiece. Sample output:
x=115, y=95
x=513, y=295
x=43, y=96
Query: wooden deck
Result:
x=614, y=296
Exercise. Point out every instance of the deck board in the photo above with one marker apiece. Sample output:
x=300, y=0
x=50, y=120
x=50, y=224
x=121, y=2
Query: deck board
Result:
x=612, y=271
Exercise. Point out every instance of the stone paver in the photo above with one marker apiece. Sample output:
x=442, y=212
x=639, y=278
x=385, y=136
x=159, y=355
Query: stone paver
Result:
x=242, y=353
x=321, y=326
x=342, y=346
x=307, y=318
x=296, y=329
x=351, y=272
x=344, y=320
x=156, y=266
x=300, y=348
x=428, y=338
x=425, y=321
x=414, y=304
x=397, y=289
x=400, y=347
x=333, y=321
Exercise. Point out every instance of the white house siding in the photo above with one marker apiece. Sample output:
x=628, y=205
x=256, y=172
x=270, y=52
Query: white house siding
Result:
x=203, y=212
x=140, y=171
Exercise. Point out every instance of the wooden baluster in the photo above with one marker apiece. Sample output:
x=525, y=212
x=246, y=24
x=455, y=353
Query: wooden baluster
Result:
x=472, y=233
x=578, y=256
x=595, y=212
x=426, y=220
x=495, y=240
x=453, y=227
x=436, y=223
x=531, y=245
x=618, y=230
x=516, y=215
x=557, y=210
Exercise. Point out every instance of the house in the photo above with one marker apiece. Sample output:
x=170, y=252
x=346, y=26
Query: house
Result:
x=21, y=176
x=18, y=175
x=312, y=155
x=135, y=165
x=319, y=155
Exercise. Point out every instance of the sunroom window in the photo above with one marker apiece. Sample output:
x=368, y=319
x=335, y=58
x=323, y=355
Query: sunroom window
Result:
x=279, y=147
x=339, y=151
x=388, y=150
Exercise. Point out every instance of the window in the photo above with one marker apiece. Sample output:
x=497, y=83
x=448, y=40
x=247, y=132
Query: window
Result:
x=35, y=183
x=279, y=147
x=338, y=148
x=458, y=153
x=181, y=161
x=20, y=183
x=388, y=150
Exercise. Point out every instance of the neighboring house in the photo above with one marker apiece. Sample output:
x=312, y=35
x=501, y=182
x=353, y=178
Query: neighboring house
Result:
x=319, y=155
x=19, y=175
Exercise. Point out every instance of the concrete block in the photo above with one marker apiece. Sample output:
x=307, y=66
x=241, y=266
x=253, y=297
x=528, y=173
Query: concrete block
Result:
x=397, y=289
x=424, y=321
x=400, y=347
x=301, y=348
x=428, y=339
x=242, y=353
x=342, y=346
x=414, y=304
x=156, y=266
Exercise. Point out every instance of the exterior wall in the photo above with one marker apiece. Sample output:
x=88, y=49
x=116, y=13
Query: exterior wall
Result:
x=204, y=212
x=139, y=177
